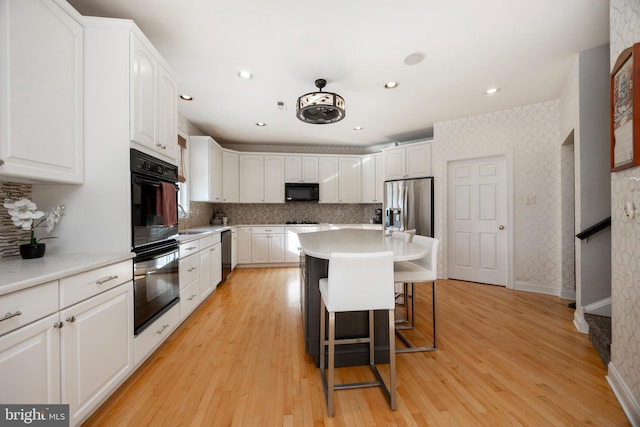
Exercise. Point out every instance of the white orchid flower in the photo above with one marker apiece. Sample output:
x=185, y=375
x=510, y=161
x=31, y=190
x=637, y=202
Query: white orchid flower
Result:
x=23, y=213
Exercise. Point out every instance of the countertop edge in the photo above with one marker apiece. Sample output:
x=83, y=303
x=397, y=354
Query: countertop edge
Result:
x=19, y=274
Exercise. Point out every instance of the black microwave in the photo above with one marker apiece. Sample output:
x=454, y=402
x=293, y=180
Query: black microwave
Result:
x=294, y=192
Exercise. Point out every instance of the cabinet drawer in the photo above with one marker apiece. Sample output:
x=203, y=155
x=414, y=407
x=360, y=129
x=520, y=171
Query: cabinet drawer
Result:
x=189, y=299
x=189, y=270
x=23, y=307
x=189, y=248
x=205, y=242
x=85, y=285
x=271, y=230
x=149, y=339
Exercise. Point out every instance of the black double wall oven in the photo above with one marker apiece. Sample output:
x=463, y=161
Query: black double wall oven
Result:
x=154, y=228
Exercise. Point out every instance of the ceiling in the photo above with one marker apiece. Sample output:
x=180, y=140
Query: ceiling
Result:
x=526, y=48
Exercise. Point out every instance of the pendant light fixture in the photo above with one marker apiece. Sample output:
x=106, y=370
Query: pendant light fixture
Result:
x=320, y=107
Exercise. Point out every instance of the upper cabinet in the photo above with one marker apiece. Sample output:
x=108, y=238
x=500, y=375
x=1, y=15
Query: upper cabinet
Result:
x=339, y=179
x=408, y=161
x=205, y=163
x=300, y=169
x=261, y=178
x=41, y=82
x=154, y=100
x=230, y=193
x=373, y=178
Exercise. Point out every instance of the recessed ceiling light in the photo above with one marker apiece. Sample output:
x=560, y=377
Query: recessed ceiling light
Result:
x=261, y=124
x=391, y=85
x=358, y=128
x=245, y=75
x=186, y=97
x=492, y=91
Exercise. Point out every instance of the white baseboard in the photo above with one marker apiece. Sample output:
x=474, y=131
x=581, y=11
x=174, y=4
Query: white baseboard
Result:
x=629, y=405
x=579, y=322
x=602, y=307
x=533, y=287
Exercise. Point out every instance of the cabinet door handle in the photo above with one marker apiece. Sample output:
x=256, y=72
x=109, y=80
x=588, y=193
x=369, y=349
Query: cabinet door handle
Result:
x=10, y=315
x=161, y=330
x=162, y=147
x=71, y=319
x=192, y=297
x=58, y=325
x=106, y=279
x=192, y=269
x=190, y=248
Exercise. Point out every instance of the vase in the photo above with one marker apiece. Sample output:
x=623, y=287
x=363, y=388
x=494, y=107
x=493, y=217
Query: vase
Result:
x=30, y=251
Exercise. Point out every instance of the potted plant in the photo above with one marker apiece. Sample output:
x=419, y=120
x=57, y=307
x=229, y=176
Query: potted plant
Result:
x=24, y=214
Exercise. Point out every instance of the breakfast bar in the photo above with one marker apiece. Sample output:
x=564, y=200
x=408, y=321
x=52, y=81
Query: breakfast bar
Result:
x=316, y=249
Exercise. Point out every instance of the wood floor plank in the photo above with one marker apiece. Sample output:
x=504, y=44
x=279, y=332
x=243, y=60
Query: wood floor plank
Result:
x=504, y=358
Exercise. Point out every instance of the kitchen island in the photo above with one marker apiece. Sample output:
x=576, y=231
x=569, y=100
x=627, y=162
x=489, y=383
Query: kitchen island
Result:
x=316, y=249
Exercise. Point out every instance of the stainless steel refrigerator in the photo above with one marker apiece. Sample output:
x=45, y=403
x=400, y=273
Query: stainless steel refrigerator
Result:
x=408, y=204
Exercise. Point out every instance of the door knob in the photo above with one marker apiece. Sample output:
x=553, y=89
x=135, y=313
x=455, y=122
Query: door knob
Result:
x=501, y=227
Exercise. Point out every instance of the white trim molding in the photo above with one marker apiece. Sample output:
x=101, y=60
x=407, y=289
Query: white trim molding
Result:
x=629, y=405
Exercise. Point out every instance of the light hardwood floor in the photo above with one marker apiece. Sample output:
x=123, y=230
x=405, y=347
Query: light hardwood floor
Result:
x=504, y=358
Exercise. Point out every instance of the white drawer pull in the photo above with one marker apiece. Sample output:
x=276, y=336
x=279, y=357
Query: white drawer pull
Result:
x=106, y=279
x=10, y=315
x=161, y=330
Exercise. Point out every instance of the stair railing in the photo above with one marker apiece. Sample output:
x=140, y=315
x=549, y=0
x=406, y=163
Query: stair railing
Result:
x=605, y=223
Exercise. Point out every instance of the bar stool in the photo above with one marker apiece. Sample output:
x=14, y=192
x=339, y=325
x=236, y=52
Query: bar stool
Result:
x=405, y=236
x=421, y=270
x=357, y=282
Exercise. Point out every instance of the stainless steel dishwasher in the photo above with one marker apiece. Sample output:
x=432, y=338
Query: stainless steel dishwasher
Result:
x=226, y=254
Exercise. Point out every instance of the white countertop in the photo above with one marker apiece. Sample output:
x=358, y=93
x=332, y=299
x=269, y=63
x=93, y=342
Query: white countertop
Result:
x=17, y=273
x=321, y=244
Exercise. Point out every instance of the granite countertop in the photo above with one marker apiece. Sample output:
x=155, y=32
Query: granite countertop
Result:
x=322, y=243
x=17, y=273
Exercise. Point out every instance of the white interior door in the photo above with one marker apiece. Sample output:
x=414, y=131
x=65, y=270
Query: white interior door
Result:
x=477, y=220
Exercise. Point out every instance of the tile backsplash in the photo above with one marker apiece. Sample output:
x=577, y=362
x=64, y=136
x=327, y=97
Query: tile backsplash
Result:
x=10, y=235
x=279, y=213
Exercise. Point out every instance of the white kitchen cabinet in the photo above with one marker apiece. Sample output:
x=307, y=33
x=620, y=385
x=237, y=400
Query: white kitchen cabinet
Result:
x=408, y=161
x=273, y=179
x=244, y=245
x=153, y=100
x=261, y=178
x=234, y=248
x=156, y=333
x=96, y=349
x=42, y=87
x=167, y=113
x=267, y=245
x=216, y=258
x=349, y=179
x=230, y=193
x=373, y=178
x=205, y=163
x=207, y=284
x=293, y=242
x=300, y=169
x=30, y=363
x=328, y=170
x=251, y=178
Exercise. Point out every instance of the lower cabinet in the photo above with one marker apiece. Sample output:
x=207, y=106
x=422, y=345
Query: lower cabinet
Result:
x=30, y=363
x=244, y=245
x=96, y=349
x=267, y=245
x=77, y=355
x=154, y=335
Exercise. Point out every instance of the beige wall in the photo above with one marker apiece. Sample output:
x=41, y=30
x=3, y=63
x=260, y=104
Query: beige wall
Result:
x=624, y=369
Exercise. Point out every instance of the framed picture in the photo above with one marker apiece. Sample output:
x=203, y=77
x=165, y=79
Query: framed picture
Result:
x=625, y=110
